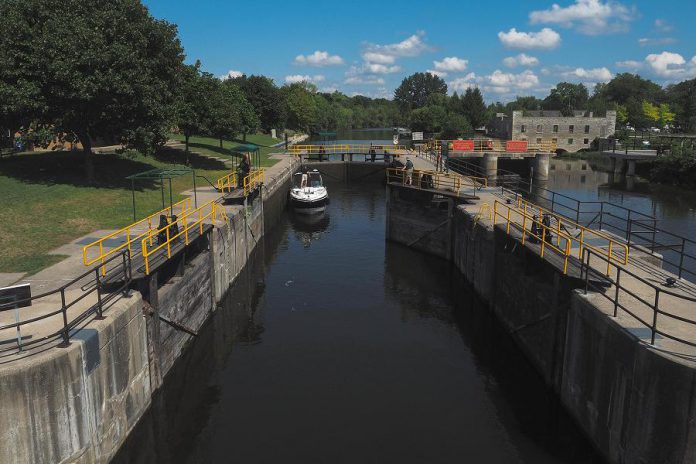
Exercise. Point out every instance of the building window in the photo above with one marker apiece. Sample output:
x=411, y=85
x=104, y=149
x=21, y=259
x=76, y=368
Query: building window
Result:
x=570, y=141
x=554, y=141
x=555, y=127
x=571, y=128
x=587, y=129
x=586, y=141
x=584, y=167
x=538, y=140
x=523, y=128
x=553, y=167
x=540, y=128
x=582, y=179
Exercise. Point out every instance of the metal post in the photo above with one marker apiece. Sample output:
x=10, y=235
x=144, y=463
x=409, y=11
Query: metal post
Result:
x=162, y=190
x=66, y=330
x=99, y=298
x=616, y=296
x=654, y=324
x=681, y=257
x=601, y=214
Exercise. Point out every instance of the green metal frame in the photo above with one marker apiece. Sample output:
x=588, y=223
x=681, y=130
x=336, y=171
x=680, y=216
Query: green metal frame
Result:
x=161, y=174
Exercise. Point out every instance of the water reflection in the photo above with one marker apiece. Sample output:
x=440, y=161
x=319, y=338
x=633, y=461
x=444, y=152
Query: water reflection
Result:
x=353, y=350
x=309, y=227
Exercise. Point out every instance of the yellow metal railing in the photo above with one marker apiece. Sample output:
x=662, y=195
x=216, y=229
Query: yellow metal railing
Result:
x=253, y=180
x=523, y=222
x=603, y=244
x=338, y=149
x=227, y=183
x=96, y=252
x=440, y=180
x=179, y=228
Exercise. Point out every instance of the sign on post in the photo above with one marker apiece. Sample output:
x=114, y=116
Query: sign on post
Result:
x=516, y=146
x=463, y=145
x=416, y=136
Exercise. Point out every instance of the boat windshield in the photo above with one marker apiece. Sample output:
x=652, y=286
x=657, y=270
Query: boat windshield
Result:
x=297, y=180
x=314, y=179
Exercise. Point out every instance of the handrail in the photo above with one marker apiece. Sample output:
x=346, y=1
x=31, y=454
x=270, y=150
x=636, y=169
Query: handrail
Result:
x=253, y=180
x=227, y=183
x=103, y=297
x=494, y=145
x=182, y=225
x=585, y=237
x=333, y=149
x=184, y=204
x=512, y=216
x=615, y=297
x=440, y=180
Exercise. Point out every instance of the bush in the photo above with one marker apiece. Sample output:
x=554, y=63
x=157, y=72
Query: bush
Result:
x=675, y=168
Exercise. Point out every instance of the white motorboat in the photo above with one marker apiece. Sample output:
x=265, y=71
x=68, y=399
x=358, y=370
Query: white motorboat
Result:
x=308, y=194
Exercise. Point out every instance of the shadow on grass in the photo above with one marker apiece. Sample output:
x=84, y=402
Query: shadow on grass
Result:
x=196, y=161
x=110, y=170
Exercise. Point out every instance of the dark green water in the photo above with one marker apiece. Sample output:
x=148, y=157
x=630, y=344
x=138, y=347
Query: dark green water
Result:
x=336, y=346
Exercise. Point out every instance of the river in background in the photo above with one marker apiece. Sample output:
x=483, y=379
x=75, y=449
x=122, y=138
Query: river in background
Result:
x=337, y=346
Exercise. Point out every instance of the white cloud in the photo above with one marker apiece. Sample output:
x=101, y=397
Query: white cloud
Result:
x=409, y=47
x=520, y=60
x=232, y=74
x=451, y=64
x=649, y=41
x=380, y=58
x=589, y=75
x=629, y=64
x=544, y=39
x=671, y=65
x=319, y=59
x=460, y=84
x=377, y=68
x=590, y=17
x=437, y=73
x=295, y=78
x=662, y=25
x=500, y=82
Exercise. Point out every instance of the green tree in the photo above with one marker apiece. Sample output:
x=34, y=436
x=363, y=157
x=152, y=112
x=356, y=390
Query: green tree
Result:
x=455, y=126
x=231, y=113
x=301, y=106
x=650, y=111
x=474, y=108
x=93, y=68
x=417, y=89
x=621, y=114
x=429, y=119
x=267, y=99
x=682, y=99
x=567, y=97
x=195, y=106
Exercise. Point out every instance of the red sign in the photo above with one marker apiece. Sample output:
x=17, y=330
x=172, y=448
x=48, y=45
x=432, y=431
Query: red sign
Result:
x=462, y=145
x=516, y=146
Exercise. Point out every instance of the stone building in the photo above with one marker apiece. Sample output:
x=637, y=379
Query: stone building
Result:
x=569, y=133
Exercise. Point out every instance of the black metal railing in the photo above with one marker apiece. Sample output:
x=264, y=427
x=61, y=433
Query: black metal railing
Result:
x=654, y=303
x=678, y=252
x=116, y=282
x=638, y=229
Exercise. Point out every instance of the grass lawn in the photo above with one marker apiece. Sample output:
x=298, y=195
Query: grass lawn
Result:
x=211, y=146
x=46, y=202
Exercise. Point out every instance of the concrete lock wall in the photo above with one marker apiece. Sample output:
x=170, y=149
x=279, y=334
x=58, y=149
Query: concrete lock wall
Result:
x=78, y=404
x=633, y=402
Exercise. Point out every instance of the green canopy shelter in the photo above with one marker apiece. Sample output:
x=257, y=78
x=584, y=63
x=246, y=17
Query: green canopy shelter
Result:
x=254, y=152
x=163, y=174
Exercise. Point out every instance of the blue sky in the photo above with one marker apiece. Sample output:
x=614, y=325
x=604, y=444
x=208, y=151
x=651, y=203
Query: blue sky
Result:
x=506, y=48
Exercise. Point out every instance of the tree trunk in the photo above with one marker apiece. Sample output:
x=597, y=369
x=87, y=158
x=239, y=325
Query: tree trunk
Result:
x=220, y=142
x=244, y=136
x=86, y=142
x=186, y=151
